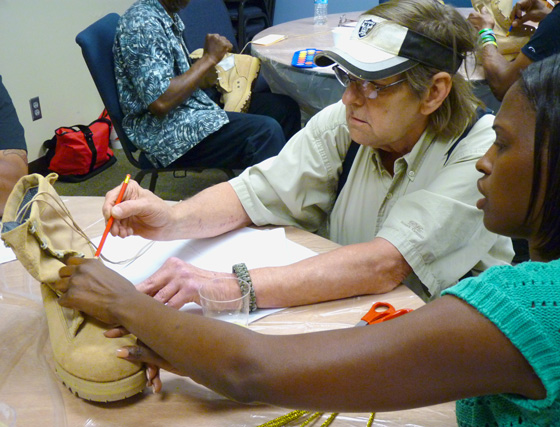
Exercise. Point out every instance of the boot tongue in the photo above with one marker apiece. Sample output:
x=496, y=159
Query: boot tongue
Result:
x=223, y=69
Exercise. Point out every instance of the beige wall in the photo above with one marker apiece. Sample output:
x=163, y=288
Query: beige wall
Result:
x=39, y=57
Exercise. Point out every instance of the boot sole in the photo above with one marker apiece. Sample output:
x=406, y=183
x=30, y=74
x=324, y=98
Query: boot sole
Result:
x=99, y=391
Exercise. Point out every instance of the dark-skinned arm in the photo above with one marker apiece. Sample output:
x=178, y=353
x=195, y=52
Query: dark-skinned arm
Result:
x=441, y=352
x=500, y=73
x=13, y=165
x=528, y=11
x=181, y=87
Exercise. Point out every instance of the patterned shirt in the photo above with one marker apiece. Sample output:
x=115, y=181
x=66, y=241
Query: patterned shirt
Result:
x=149, y=50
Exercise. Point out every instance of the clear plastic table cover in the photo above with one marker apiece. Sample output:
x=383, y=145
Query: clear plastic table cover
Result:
x=29, y=386
x=312, y=88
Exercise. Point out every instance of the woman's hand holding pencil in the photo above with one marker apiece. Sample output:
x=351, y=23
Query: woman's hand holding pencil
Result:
x=111, y=219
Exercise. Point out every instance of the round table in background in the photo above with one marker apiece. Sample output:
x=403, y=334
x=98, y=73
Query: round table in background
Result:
x=312, y=88
x=315, y=88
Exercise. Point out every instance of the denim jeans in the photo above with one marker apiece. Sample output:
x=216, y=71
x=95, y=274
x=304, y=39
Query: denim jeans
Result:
x=248, y=138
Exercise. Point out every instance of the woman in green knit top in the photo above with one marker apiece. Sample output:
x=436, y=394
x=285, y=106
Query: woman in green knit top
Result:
x=495, y=336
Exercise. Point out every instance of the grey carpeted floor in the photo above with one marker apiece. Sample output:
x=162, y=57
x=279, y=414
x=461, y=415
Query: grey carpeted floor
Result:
x=168, y=187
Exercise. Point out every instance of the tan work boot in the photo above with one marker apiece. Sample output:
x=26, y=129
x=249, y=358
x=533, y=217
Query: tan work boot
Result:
x=508, y=45
x=42, y=234
x=237, y=75
x=237, y=82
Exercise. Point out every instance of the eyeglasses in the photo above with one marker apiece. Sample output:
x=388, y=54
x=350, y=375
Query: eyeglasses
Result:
x=368, y=88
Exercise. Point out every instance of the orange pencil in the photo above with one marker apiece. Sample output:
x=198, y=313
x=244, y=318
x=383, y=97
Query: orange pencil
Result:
x=111, y=219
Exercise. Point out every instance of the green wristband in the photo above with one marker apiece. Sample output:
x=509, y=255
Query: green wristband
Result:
x=243, y=276
x=484, y=34
x=488, y=39
x=489, y=42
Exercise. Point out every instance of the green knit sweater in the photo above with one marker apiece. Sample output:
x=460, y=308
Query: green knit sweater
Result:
x=524, y=302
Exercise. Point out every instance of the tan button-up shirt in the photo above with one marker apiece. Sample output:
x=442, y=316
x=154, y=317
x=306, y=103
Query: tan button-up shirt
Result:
x=426, y=209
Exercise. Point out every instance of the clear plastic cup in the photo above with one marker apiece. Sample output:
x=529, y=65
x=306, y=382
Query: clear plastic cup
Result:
x=341, y=34
x=225, y=299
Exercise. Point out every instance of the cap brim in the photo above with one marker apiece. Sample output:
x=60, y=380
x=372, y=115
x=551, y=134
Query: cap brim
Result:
x=379, y=48
x=379, y=66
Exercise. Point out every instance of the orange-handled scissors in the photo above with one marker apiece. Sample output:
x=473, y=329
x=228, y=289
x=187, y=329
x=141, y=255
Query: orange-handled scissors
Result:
x=380, y=312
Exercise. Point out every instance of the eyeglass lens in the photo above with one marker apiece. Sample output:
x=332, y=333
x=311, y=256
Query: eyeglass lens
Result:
x=368, y=89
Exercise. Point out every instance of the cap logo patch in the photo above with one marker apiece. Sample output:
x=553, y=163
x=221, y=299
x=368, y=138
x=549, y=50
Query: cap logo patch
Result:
x=366, y=28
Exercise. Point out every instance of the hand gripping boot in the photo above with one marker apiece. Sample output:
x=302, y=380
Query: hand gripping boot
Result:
x=42, y=234
x=508, y=46
x=237, y=75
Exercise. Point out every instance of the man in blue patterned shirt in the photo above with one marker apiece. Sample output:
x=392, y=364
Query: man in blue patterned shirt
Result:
x=167, y=114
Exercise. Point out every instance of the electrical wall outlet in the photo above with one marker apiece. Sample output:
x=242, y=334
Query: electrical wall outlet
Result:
x=35, y=108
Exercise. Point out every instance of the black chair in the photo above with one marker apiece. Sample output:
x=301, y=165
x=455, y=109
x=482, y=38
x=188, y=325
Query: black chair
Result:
x=96, y=42
x=202, y=17
x=249, y=17
x=270, y=7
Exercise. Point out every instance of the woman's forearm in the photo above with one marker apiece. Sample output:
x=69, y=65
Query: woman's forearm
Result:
x=211, y=212
x=419, y=359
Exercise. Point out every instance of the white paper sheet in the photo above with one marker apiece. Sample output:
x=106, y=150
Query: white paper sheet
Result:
x=269, y=39
x=227, y=63
x=6, y=254
x=256, y=248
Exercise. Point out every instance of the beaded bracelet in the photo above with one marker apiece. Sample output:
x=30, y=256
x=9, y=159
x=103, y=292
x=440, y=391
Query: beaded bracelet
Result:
x=243, y=276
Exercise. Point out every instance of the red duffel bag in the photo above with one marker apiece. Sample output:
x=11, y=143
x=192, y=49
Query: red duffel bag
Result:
x=79, y=152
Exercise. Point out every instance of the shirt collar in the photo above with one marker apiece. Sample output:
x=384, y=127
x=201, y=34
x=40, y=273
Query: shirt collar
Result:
x=167, y=20
x=413, y=158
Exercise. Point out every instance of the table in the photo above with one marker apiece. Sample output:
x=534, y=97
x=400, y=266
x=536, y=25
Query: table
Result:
x=315, y=88
x=28, y=384
x=312, y=88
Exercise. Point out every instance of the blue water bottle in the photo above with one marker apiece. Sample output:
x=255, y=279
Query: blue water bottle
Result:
x=320, y=17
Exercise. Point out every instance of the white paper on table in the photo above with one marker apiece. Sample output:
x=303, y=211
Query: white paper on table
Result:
x=256, y=248
x=6, y=254
x=269, y=39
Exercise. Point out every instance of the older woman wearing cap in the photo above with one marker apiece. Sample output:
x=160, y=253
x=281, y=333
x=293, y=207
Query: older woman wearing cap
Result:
x=407, y=210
